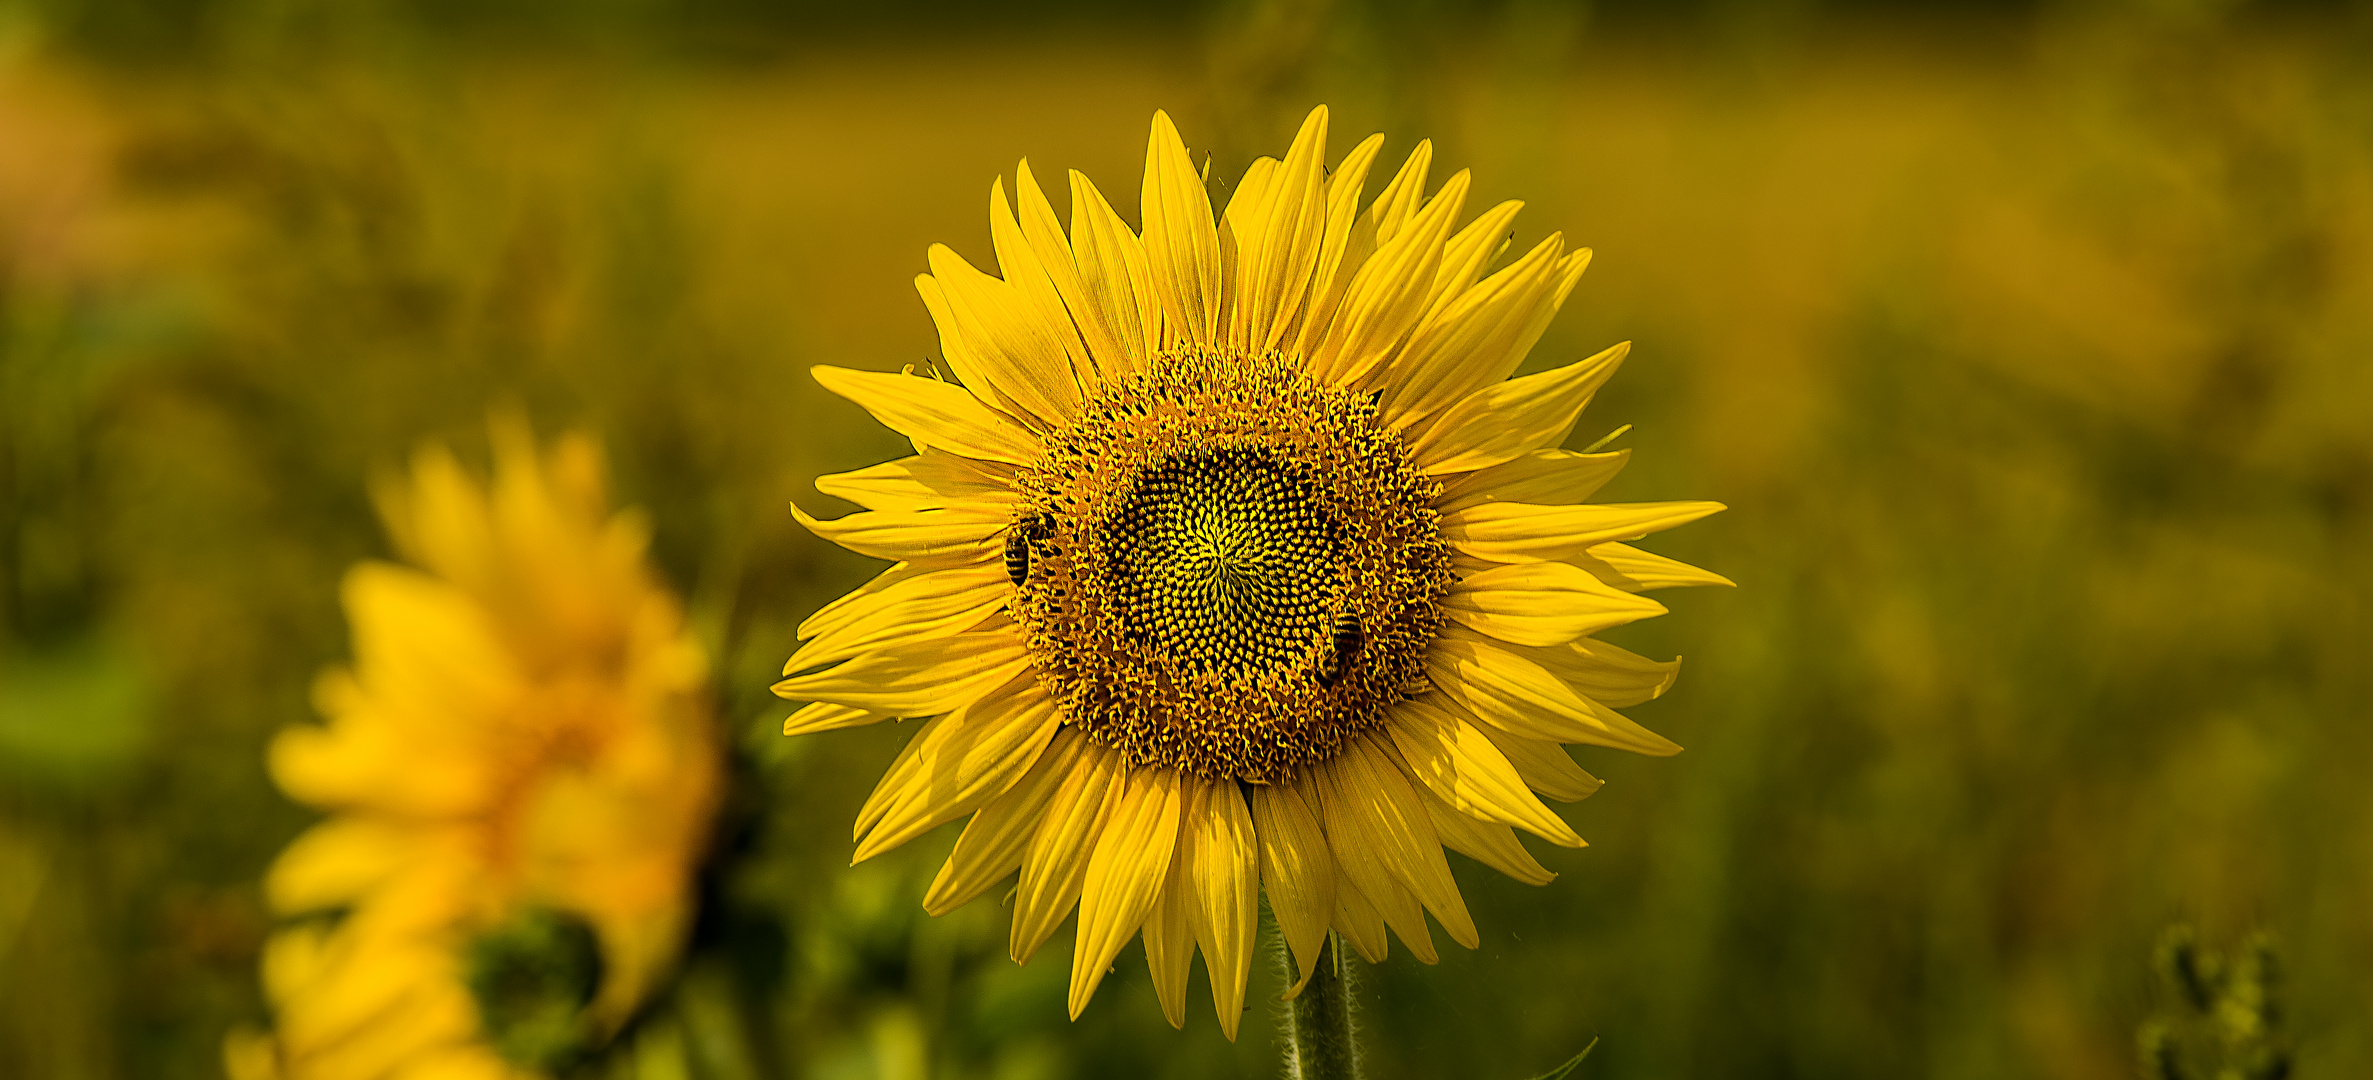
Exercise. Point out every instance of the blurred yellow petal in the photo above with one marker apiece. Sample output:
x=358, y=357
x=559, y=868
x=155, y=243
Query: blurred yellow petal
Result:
x=335, y=862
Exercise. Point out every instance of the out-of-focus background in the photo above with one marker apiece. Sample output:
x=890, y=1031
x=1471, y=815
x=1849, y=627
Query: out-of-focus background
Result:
x=2032, y=347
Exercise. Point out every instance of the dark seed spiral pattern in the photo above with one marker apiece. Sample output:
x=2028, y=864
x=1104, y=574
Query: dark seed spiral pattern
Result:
x=1230, y=568
x=1224, y=563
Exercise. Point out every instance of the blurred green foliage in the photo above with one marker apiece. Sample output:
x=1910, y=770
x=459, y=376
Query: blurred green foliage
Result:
x=2030, y=348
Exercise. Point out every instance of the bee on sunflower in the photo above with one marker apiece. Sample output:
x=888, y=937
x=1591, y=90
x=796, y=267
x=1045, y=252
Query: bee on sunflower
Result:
x=1234, y=562
x=521, y=768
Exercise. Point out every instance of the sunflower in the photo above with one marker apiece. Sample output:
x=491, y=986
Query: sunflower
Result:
x=1234, y=561
x=521, y=769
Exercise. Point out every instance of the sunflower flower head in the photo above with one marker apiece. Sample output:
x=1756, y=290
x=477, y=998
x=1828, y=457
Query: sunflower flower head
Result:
x=520, y=768
x=1234, y=561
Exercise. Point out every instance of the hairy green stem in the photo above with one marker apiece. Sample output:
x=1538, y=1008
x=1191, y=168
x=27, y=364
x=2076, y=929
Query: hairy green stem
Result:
x=1317, y=1025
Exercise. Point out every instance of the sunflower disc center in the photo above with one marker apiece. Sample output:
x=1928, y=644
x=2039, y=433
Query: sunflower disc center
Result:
x=1221, y=561
x=1226, y=568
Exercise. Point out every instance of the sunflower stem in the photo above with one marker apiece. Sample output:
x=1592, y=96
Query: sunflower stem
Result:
x=1317, y=1025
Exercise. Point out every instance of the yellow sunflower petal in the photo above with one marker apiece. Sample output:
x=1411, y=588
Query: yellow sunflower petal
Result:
x=335, y=862
x=1044, y=233
x=826, y=716
x=462, y=1061
x=1056, y=862
x=1349, y=237
x=355, y=990
x=1413, y=853
x=1544, y=763
x=1125, y=875
x=1033, y=283
x=1296, y=869
x=1398, y=203
x=1522, y=532
x=1542, y=603
x=1469, y=252
x=996, y=337
x=430, y=1016
x=899, y=584
x=1389, y=295
x=962, y=532
x=1360, y=923
x=1462, y=767
x=1181, y=241
x=1542, y=478
x=360, y=760
x=943, y=415
x=928, y=481
x=1279, y=241
x=1487, y=842
x=1503, y=420
x=1505, y=689
x=1114, y=272
x=927, y=606
x=961, y=762
x=996, y=838
x=1611, y=676
x=922, y=678
x=1480, y=335
x=1627, y=567
x=1223, y=900
x=1359, y=816
x=1170, y=943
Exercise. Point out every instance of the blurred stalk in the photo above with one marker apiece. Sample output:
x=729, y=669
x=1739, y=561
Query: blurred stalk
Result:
x=1317, y=1024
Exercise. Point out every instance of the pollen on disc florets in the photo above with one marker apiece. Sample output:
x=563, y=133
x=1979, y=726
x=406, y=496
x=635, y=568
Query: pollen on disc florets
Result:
x=1225, y=567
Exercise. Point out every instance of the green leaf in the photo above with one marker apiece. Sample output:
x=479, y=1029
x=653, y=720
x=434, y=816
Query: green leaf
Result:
x=1572, y=1063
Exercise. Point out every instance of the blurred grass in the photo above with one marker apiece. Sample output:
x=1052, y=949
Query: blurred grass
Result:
x=2030, y=350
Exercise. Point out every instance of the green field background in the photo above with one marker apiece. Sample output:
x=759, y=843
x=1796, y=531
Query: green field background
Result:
x=2031, y=347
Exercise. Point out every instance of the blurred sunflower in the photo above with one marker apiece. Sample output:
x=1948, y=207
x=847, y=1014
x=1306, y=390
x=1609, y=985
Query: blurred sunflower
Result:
x=521, y=769
x=1237, y=561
